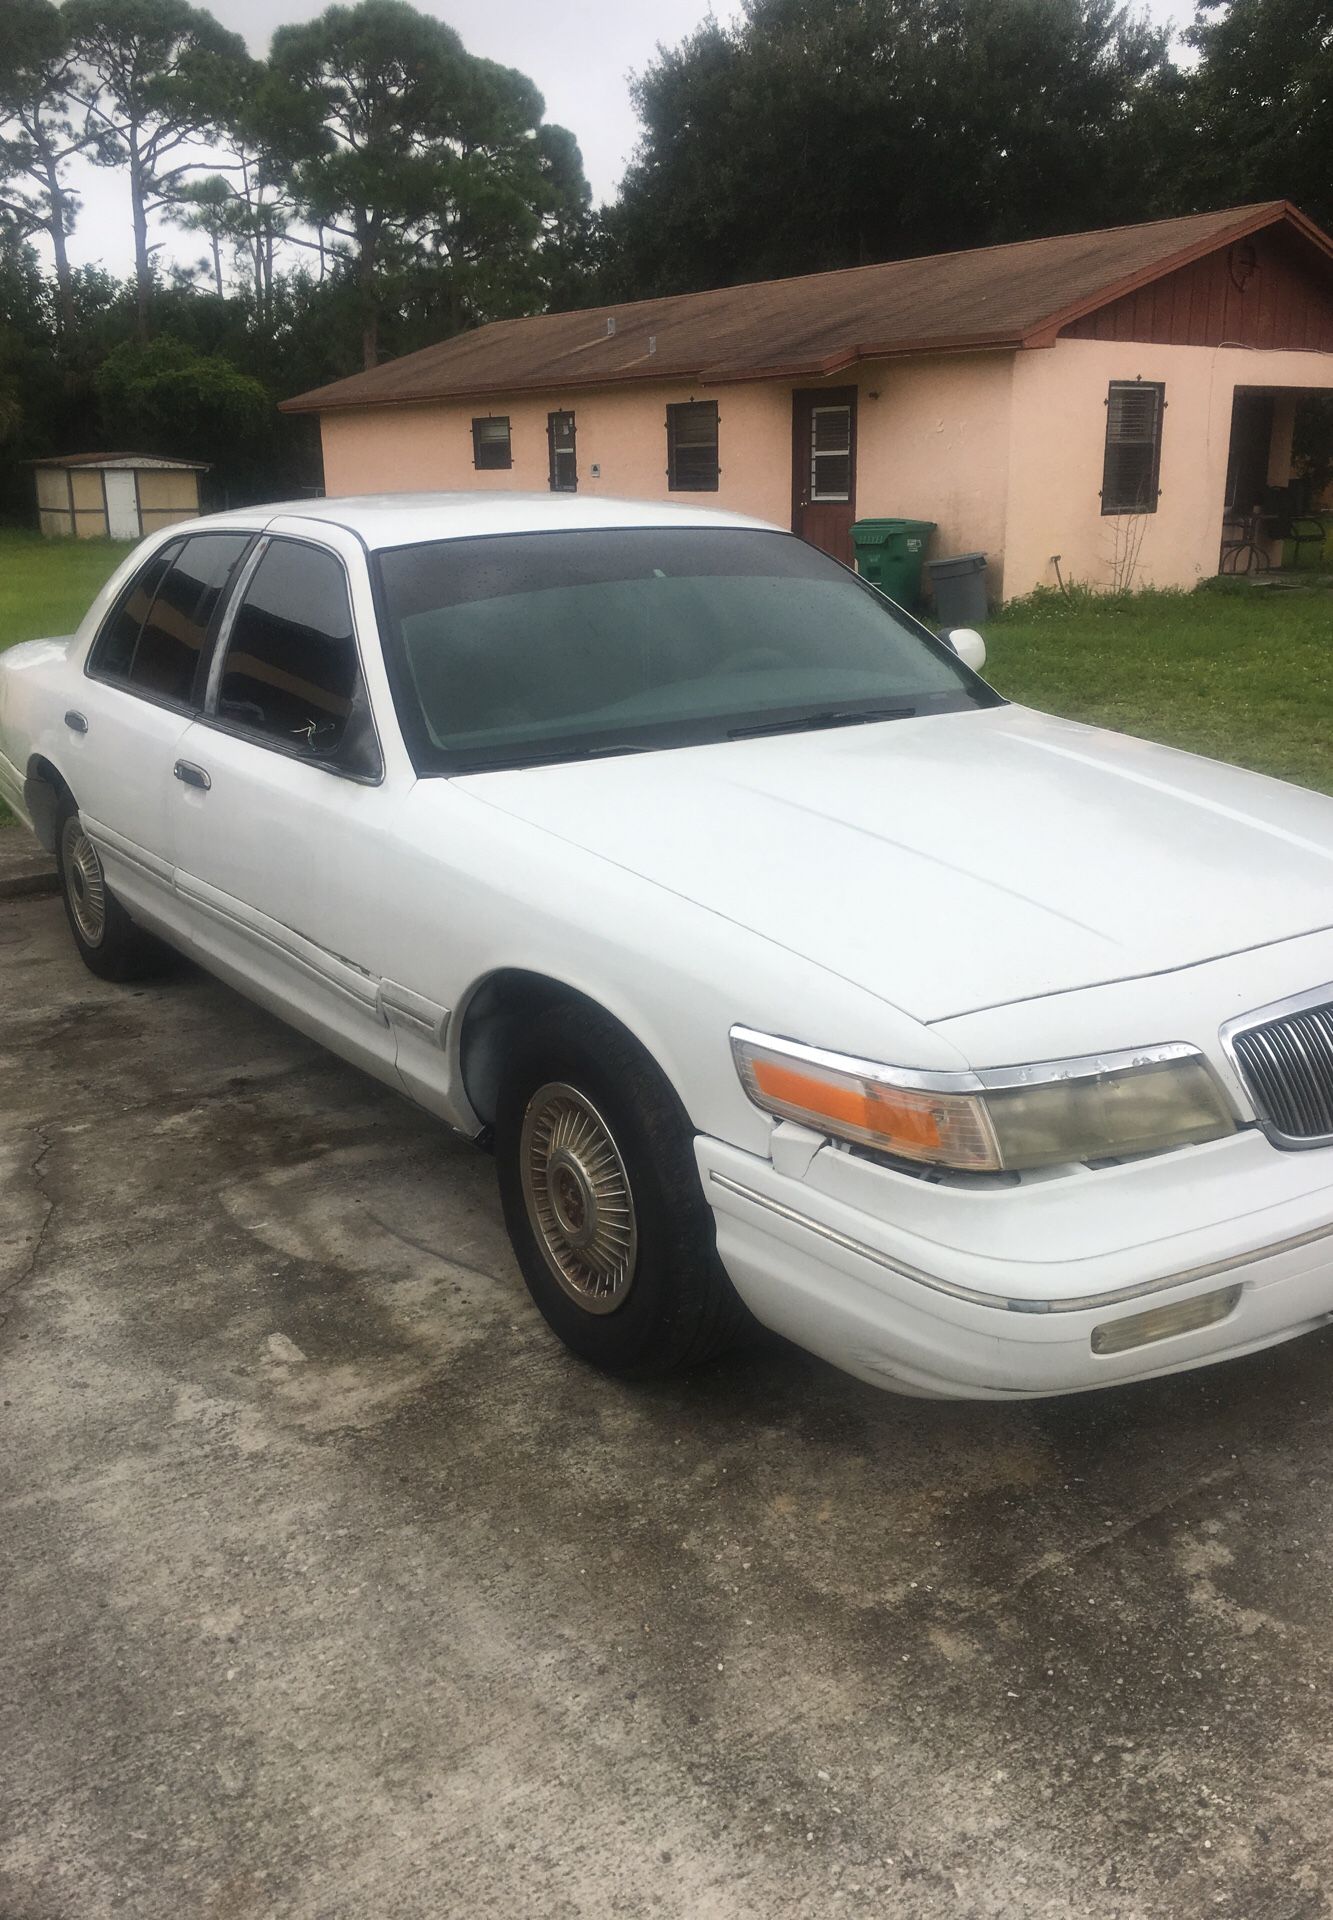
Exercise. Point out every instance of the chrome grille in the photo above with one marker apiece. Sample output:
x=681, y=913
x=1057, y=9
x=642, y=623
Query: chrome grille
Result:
x=1287, y=1063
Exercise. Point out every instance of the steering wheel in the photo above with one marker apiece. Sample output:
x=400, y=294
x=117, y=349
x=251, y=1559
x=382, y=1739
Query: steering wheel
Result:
x=751, y=658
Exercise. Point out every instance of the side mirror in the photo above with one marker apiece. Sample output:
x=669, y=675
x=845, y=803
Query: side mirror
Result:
x=968, y=644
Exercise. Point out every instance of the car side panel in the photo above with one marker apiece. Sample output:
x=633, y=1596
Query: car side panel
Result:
x=120, y=771
x=279, y=874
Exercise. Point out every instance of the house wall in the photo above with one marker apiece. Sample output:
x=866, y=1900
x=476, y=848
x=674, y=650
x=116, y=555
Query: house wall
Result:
x=620, y=430
x=1056, y=446
x=934, y=446
x=931, y=445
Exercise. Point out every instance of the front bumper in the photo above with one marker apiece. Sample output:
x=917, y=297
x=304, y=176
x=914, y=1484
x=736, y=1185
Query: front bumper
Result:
x=974, y=1293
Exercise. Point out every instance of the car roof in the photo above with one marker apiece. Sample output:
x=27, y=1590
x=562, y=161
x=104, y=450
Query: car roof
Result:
x=404, y=519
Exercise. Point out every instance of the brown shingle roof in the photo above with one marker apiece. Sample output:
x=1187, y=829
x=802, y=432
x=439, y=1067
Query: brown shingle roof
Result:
x=1007, y=296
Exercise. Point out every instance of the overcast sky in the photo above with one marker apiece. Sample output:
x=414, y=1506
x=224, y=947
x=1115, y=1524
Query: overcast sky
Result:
x=579, y=52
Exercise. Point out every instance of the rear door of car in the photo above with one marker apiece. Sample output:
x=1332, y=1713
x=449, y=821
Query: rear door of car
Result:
x=283, y=797
x=142, y=684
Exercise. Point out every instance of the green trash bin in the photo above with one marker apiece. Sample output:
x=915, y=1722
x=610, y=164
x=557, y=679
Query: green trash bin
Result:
x=889, y=554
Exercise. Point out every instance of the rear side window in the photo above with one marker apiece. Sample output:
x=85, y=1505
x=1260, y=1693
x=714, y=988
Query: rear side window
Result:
x=155, y=638
x=114, y=652
x=291, y=673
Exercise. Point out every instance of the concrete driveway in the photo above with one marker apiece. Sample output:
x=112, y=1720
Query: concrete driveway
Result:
x=330, y=1586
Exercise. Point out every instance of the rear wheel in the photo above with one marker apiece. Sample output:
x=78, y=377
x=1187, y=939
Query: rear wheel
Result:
x=602, y=1200
x=109, y=942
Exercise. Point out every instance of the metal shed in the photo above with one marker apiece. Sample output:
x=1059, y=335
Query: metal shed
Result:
x=117, y=495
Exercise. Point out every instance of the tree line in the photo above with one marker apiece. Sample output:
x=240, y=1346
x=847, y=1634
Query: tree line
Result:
x=371, y=186
x=814, y=134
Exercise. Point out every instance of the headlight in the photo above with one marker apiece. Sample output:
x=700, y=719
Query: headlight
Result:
x=1102, y=1107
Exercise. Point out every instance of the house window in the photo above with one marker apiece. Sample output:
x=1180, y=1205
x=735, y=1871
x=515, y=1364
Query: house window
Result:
x=490, y=442
x=692, y=447
x=1133, y=446
x=564, y=464
x=830, y=453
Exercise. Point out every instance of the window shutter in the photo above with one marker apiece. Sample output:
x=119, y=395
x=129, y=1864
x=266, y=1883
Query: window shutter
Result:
x=1133, y=453
x=490, y=442
x=692, y=465
x=564, y=473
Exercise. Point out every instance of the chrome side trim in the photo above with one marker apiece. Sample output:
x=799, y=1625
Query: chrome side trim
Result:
x=329, y=970
x=1083, y=1303
x=108, y=841
x=969, y=1080
x=1260, y=1017
x=401, y=1007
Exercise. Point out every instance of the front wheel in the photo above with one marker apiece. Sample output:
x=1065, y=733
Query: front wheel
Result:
x=603, y=1204
x=109, y=943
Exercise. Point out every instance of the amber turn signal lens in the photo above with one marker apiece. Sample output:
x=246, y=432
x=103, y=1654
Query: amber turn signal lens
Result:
x=875, y=1110
x=943, y=1129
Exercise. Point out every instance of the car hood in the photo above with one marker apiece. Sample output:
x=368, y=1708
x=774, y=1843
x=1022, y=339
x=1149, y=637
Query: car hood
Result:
x=960, y=861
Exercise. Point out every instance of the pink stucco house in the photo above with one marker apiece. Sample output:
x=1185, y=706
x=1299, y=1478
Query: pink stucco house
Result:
x=1123, y=400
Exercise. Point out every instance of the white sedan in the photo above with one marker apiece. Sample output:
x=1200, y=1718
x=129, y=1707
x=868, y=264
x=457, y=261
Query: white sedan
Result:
x=791, y=971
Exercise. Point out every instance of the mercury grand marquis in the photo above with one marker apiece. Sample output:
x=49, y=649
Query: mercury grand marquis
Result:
x=793, y=974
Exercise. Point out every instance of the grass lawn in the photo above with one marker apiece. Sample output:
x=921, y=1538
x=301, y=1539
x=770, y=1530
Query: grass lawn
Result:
x=46, y=585
x=1240, y=673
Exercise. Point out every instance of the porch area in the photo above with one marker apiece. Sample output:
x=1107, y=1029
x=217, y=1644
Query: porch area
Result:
x=1277, y=515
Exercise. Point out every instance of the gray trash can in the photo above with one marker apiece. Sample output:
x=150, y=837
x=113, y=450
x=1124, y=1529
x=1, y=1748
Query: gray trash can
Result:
x=958, y=585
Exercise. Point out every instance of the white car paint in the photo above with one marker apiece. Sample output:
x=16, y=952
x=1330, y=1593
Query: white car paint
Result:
x=977, y=889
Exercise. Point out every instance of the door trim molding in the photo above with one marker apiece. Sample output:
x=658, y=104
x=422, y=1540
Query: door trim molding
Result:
x=328, y=969
x=401, y=1007
x=107, y=841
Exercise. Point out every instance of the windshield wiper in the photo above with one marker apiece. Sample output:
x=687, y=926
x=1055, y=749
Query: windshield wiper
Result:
x=832, y=717
x=518, y=759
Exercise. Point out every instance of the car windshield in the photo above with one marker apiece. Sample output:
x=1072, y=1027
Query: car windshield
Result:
x=517, y=649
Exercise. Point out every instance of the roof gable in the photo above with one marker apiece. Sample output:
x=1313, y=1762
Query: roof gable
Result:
x=1009, y=296
x=1272, y=289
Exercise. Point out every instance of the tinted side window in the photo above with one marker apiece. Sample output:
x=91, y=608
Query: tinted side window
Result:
x=291, y=671
x=120, y=636
x=154, y=637
x=173, y=633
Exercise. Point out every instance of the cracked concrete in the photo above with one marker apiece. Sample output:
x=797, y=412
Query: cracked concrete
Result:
x=332, y=1589
x=46, y=1206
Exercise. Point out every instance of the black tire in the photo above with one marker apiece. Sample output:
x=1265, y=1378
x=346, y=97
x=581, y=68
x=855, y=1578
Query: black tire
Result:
x=121, y=950
x=677, y=1307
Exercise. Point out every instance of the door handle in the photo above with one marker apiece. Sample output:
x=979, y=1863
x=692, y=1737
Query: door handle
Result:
x=192, y=776
x=76, y=721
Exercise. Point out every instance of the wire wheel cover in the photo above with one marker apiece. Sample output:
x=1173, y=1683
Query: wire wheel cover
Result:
x=578, y=1197
x=85, y=887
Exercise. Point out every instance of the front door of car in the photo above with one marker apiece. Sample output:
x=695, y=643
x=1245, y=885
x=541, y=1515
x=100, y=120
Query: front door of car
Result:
x=127, y=716
x=824, y=468
x=281, y=806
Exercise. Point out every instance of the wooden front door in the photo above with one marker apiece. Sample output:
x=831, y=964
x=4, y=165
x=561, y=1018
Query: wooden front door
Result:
x=823, y=491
